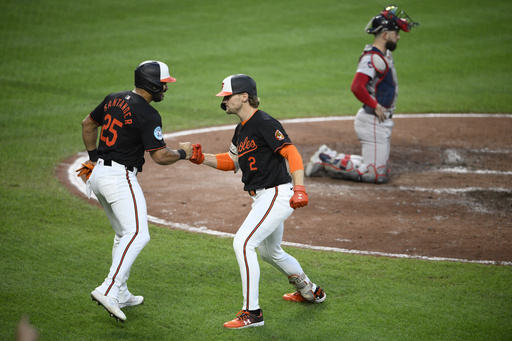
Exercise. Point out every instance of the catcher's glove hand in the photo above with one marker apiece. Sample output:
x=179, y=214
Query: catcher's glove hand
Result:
x=197, y=154
x=86, y=170
x=299, y=198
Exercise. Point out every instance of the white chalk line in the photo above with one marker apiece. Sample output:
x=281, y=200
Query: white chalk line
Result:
x=330, y=118
x=83, y=157
x=461, y=170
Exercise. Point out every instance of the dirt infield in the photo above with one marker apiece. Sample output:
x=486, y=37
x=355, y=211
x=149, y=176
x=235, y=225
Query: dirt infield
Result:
x=450, y=193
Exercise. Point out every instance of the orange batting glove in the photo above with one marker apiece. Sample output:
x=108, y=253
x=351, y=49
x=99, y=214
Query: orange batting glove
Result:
x=86, y=170
x=299, y=198
x=197, y=154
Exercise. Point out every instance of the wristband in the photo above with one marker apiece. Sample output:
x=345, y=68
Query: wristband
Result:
x=93, y=155
x=183, y=154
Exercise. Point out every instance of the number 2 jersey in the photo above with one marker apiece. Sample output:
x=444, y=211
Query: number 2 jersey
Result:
x=129, y=126
x=257, y=141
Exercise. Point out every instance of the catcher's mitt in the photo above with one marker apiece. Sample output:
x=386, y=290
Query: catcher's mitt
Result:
x=86, y=170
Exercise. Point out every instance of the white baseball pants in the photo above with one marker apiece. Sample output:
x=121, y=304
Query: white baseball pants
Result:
x=121, y=196
x=263, y=229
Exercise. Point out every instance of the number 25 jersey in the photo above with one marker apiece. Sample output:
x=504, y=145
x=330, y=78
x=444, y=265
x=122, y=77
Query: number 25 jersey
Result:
x=129, y=126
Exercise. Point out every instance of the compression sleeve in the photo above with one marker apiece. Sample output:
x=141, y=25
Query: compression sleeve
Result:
x=359, y=89
x=290, y=153
x=225, y=162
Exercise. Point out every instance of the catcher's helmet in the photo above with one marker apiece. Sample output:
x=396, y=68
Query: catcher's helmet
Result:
x=150, y=75
x=390, y=19
x=237, y=84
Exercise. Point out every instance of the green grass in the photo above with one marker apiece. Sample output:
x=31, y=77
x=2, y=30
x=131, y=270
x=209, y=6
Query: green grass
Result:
x=60, y=58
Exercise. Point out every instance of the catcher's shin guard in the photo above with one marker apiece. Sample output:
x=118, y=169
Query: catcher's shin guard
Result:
x=301, y=285
x=376, y=175
x=349, y=168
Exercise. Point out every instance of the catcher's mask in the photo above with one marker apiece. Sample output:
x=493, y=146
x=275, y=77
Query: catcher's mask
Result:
x=150, y=75
x=237, y=84
x=390, y=19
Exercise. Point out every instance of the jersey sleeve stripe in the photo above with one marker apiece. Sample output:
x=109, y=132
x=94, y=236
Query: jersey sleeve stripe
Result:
x=94, y=120
x=280, y=147
x=152, y=150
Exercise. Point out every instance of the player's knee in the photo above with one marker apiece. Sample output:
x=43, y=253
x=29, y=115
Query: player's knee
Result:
x=143, y=239
x=240, y=246
x=271, y=257
x=238, y=240
x=236, y=244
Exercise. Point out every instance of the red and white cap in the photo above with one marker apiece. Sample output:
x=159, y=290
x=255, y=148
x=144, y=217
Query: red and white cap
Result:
x=236, y=84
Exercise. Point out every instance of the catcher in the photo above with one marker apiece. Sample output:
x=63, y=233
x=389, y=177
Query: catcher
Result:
x=376, y=86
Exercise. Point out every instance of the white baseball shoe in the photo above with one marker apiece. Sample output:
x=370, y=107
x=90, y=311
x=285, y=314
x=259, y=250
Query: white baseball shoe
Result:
x=110, y=304
x=315, y=164
x=132, y=301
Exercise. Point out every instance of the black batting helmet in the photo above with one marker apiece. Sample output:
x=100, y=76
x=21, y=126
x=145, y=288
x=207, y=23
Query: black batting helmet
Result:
x=150, y=75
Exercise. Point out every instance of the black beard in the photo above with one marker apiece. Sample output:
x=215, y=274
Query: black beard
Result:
x=158, y=97
x=390, y=46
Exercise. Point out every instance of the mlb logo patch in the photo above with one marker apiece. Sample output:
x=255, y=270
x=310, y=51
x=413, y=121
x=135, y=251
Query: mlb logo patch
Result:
x=158, y=133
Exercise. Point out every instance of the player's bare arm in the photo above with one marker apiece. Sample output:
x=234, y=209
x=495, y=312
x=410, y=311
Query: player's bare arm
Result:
x=89, y=135
x=210, y=160
x=298, y=177
x=168, y=156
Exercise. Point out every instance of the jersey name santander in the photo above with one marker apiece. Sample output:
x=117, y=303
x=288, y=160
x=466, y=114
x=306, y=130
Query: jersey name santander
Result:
x=383, y=86
x=129, y=126
x=258, y=142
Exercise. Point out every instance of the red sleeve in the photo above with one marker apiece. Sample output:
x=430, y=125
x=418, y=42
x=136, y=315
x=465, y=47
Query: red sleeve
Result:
x=359, y=89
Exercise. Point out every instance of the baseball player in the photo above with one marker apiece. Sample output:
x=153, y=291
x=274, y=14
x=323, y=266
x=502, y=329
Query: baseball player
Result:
x=375, y=85
x=129, y=127
x=260, y=148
